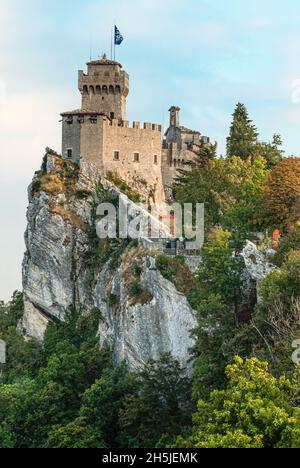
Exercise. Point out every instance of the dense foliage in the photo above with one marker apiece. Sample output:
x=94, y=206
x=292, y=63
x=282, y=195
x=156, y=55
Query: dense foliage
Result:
x=68, y=394
x=253, y=411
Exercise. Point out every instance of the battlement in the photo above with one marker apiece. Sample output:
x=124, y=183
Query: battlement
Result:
x=135, y=125
x=103, y=83
x=104, y=88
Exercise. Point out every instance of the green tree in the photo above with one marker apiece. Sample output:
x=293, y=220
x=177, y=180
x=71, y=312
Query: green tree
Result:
x=15, y=400
x=231, y=191
x=289, y=243
x=254, y=411
x=243, y=134
x=103, y=401
x=75, y=435
x=271, y=152
x=276, y=322
x=23, y=359
x=220, y=270
x=207, y=185
x=160, y=406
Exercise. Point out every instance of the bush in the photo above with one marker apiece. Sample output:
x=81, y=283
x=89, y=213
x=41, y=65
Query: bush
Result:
x=140, y=294
x=174, y=270
x=289, y=243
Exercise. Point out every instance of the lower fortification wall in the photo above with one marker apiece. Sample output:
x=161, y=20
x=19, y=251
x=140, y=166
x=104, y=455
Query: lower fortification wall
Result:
x=134, y=153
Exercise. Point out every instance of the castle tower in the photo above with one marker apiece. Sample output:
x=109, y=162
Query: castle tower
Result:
x=104, y=88
x=174, y=116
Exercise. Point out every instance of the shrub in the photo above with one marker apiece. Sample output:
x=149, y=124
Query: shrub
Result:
x=175, y=271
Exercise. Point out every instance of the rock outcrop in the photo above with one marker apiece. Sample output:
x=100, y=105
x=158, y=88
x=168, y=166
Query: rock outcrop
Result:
x=143, y=315
x=257, y=267
x=257, y=264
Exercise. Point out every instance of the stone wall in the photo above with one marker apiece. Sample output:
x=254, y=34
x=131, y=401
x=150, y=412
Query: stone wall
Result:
x=173, y=159
x=92, y=141
x=71, y=139
x=128, y=141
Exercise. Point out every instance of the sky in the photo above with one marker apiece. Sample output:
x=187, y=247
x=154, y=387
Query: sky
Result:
x=202, y=55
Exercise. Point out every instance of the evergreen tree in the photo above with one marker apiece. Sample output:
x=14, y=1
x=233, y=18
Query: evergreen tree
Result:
x=271, y=152
x=243, y=134
x=161, y=405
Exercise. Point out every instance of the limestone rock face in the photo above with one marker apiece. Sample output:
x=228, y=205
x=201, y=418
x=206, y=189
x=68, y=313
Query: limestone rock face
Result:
x=56, y=240
x=57, y=275
x=257, y=267
x=139, y=332
x=256, y=262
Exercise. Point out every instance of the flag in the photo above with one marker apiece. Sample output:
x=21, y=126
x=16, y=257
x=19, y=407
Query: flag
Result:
x=118, y=37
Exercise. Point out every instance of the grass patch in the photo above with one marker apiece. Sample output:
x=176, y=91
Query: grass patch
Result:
x=70, y=217
x=174, y=270
x=139, y=295
x=133, y=261
x=120, y=183
x=114, y=300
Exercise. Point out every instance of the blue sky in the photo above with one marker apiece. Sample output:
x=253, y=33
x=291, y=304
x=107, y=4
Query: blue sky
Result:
x=201, y=55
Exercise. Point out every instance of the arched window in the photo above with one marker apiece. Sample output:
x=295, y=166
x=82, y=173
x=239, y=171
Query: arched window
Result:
x=136, y=157
x=85, y=90
x=92, y=91
x=111, y=90
x=155, y=159
x=118, y=89
x=104, y=89
x=98, y=90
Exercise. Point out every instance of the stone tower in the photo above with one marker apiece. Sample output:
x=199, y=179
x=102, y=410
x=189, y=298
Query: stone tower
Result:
x=104, y=88
x=174, y=116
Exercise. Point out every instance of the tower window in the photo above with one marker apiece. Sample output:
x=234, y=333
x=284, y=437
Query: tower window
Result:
x=116, y=156
x=155, y=159
x=136, y=157
x=93, y=120
x=112, y=115
x=69, y=153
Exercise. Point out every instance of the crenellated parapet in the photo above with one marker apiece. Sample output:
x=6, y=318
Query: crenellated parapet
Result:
x=104, y=88
x=136, y=125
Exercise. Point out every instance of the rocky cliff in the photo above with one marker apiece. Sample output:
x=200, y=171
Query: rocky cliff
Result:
x=66, y=266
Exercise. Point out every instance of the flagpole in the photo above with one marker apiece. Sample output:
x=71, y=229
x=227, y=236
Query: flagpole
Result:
x=115, y=41
x=114, y=48
x=111, y=44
